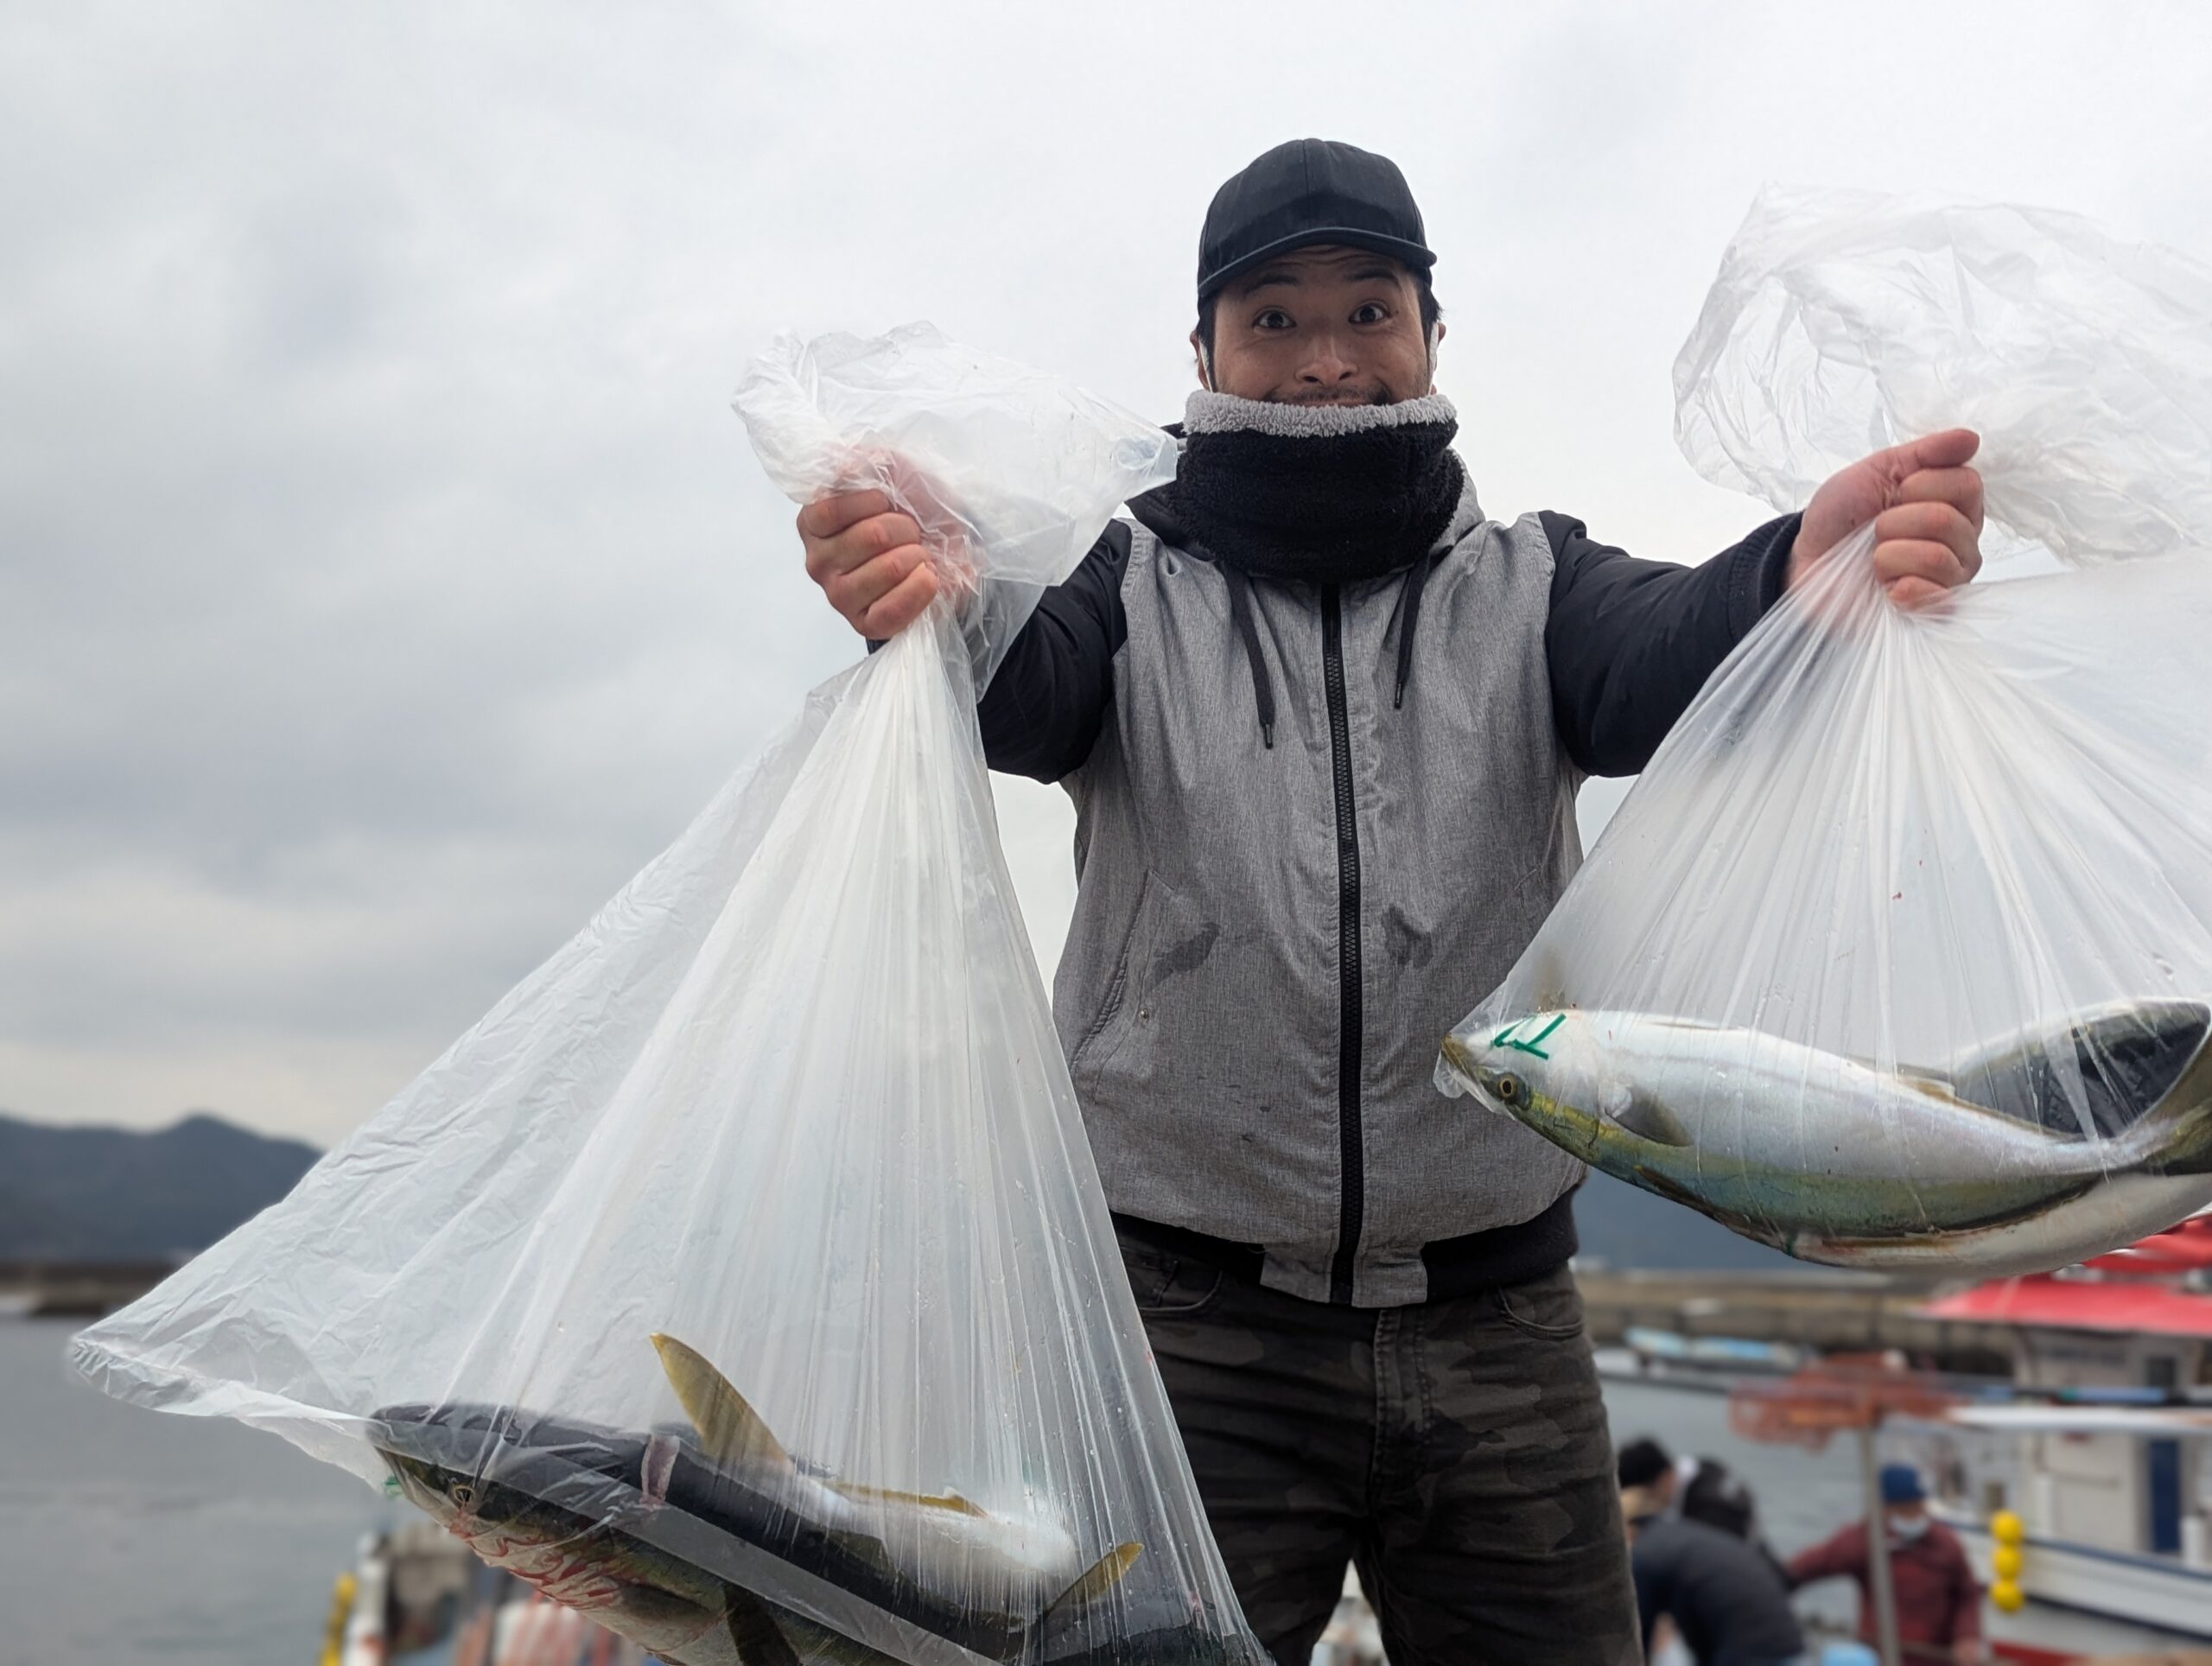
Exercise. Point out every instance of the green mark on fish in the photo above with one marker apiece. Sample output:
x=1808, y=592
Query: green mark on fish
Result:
x=1506, y=1037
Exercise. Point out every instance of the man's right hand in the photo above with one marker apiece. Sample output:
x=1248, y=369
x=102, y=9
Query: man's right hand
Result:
x=869, y=561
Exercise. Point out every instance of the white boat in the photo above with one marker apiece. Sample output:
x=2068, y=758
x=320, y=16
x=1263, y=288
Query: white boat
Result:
x=2142, y=1589
x=2100, y=1451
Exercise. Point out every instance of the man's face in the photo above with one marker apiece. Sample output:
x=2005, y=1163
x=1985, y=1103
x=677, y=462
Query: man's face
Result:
x=1321, y=326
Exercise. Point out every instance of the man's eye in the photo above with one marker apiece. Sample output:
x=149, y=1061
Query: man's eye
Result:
x=1371, y=311
x=1273, y=318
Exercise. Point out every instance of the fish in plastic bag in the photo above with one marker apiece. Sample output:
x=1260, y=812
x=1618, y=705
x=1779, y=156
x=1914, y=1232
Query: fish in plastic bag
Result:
x=1899, y=953
x=743, y=1279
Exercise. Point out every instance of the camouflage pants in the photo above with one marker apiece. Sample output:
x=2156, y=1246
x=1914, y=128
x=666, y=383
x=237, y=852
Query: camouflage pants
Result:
x=1455, y=1452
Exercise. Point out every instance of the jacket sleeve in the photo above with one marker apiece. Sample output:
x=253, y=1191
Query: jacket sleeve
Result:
x=1041, y=714
x=1630, y=642
x=1844, y=1552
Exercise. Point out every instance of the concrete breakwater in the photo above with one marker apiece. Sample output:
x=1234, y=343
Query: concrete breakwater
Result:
x=65, y=1289
x=1826, y=1311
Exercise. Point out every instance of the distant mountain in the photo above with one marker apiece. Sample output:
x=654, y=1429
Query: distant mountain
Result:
x=113, y=1194
x=1627, y=1227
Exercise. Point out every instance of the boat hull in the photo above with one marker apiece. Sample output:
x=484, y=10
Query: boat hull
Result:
x=2143, y=1590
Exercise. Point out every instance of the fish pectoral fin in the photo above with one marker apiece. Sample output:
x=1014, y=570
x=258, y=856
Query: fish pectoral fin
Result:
x=1094, y=1581
x=752, y=1629
x=1649, y=1119
x=946, y=1501
x=730, y=1432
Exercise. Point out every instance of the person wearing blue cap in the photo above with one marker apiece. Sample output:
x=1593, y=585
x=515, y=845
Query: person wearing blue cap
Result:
x=1938, y=1600
x=1323, y=719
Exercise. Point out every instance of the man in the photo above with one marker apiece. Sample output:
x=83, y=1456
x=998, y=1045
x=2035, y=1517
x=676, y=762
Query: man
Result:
x=1938, y=1600
x=1696, y=1489
x=1323, y=723
x=1726, y=1601
x=1647, y=1469
x=1718, y=1497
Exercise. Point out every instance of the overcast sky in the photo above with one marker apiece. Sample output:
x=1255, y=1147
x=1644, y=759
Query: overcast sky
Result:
x=383, y=579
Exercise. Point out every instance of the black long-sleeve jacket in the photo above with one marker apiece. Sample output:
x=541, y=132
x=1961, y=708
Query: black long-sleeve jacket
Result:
x=1629, y=643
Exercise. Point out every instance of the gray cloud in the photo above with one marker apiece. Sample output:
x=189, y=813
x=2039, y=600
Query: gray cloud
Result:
x=382, y=579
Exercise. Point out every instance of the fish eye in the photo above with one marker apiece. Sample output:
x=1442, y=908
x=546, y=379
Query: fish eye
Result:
x=463, y=1494
x=1509, y=1088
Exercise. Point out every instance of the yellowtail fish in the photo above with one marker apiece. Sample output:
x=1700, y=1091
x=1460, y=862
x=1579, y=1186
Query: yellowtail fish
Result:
x=1984, y=1166
x=1002, y=1583
x=996, y=1559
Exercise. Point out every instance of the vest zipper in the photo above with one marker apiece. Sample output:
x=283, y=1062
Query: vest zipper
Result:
x=1351, y=1204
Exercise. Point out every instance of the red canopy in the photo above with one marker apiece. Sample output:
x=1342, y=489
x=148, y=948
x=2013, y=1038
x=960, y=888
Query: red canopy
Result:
x=2136, y=1289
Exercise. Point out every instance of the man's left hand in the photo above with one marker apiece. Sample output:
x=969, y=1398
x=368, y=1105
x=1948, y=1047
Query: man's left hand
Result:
x=1926, y=506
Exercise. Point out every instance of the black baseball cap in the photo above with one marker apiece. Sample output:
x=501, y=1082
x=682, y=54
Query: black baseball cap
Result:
x=1306, y=191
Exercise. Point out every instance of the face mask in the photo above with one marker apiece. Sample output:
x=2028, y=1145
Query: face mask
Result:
x=1908, y=1529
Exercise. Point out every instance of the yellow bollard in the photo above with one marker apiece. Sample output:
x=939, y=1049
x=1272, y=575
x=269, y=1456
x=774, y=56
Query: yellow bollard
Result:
x=2006, y=1528
x=2005, y=1562
x=2007, y=1595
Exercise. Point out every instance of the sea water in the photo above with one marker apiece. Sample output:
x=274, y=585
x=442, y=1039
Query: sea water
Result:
x=127, y=1535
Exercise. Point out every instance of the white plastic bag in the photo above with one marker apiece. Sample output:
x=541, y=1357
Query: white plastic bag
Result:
x=1899, y=953
x=1844, y=321
x=743, y=1279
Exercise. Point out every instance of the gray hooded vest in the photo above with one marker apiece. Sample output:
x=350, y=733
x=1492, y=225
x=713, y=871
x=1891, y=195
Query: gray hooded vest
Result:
x=1270, y=940
x=1252, y=921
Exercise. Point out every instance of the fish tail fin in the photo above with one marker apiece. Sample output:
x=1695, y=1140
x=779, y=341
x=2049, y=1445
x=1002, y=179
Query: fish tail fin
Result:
x=2175, y=1135
x=730, y=1431
x=1095, y=1581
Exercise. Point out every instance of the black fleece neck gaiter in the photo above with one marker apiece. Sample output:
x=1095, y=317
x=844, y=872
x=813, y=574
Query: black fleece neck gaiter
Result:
x=1328, y=494
x=1322, y=494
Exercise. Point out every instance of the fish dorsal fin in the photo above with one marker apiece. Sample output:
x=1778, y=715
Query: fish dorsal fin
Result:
x=1649, y=1119
x=947, y=1501
x=730, y=1432
x=1939, y=1091
x=1929, y=1085
x=1095, y=1581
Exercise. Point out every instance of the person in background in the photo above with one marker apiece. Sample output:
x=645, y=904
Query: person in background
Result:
x=1939, y=1602
x=1646, y=1468
x=1696, y=1489
x=1726, y=1599
x=1714, y=1494
x=1717, y=1496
